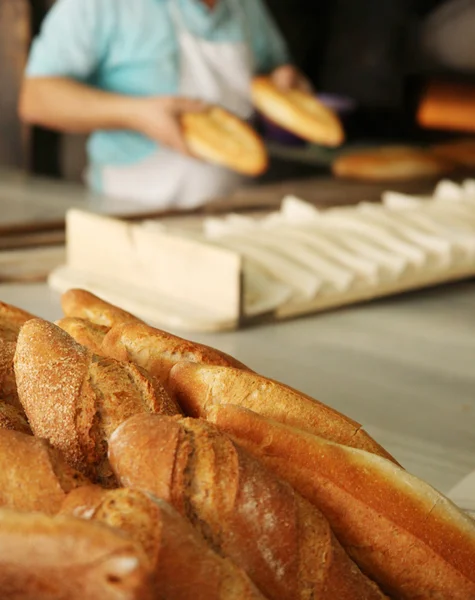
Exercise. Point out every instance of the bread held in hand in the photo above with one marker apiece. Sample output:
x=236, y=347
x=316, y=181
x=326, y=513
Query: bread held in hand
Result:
x=217, y=136
x=297, y=111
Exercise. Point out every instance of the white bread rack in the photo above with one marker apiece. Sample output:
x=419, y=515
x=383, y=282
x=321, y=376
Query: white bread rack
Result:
x=210, y=274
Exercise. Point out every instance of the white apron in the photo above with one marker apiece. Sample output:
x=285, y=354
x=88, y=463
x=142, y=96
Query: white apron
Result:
x=219, y=73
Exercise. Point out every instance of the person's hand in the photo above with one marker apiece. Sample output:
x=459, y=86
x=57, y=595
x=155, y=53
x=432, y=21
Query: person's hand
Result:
x=159, y=119
x=288, y=77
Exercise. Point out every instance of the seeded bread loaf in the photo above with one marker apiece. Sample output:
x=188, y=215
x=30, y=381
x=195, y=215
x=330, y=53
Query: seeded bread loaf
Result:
x=76, y=399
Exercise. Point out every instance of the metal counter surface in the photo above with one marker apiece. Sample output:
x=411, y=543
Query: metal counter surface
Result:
x=403, y=367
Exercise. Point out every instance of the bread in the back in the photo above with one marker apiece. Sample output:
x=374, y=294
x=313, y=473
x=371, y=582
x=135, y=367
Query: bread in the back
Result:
x=84, y=332
x=199, y=387
x=85, y=305
x=392, y=163
x=158, y=351
x=460, y=152
x=11, y=320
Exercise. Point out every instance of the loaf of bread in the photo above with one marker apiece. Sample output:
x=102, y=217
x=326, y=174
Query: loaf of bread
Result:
x=11, y=320
x=12, y=418
x=401, y=532
x=178, y=556
x=291, y=501
x=33, y=476
x=392, y=163
x=76, y=399
x=217, y=136
x=157, y=351
x=199, y=387
x=298, y=112
x=460, y=152
x=8, y=389
x=109, y=331
x=84, y=305
x=63, y=558
x=242, y=510
x=84, y=332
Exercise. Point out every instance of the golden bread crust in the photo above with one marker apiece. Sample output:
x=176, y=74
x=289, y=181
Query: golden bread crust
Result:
x=76, y=399
x=243, y=511
x=299, y=112
x=62, y=558
x=33, y=476
x=390, y=163
x=199, y=387
x=401, y=532
x=85, y=305
x=220, y=137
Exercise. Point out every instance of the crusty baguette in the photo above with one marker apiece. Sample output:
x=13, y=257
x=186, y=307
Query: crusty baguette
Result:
x=178, y=556
x=297, y=111
x=282, y=542
x=85, y=332
x=217, y=136
x=401, y=532
x=157, y=351
x=391, y=163
x=8, y=389
x=460, y=152
x=198, y=387
x=76, y=399
x=63, y=558
x=33, y=476
x=12, y=418
x=11, y=320
x=84, y=305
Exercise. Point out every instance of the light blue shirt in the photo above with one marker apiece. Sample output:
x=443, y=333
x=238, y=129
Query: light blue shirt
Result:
x=131, y=47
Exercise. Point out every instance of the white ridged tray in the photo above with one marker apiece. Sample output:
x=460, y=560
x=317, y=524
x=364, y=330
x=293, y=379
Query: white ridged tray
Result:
x=219, y=273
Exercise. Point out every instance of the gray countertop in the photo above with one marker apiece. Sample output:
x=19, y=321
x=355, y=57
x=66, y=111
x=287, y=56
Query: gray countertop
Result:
x=404, y=367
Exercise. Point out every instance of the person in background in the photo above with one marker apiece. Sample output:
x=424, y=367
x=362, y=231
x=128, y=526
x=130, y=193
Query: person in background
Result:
x=124, y=71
